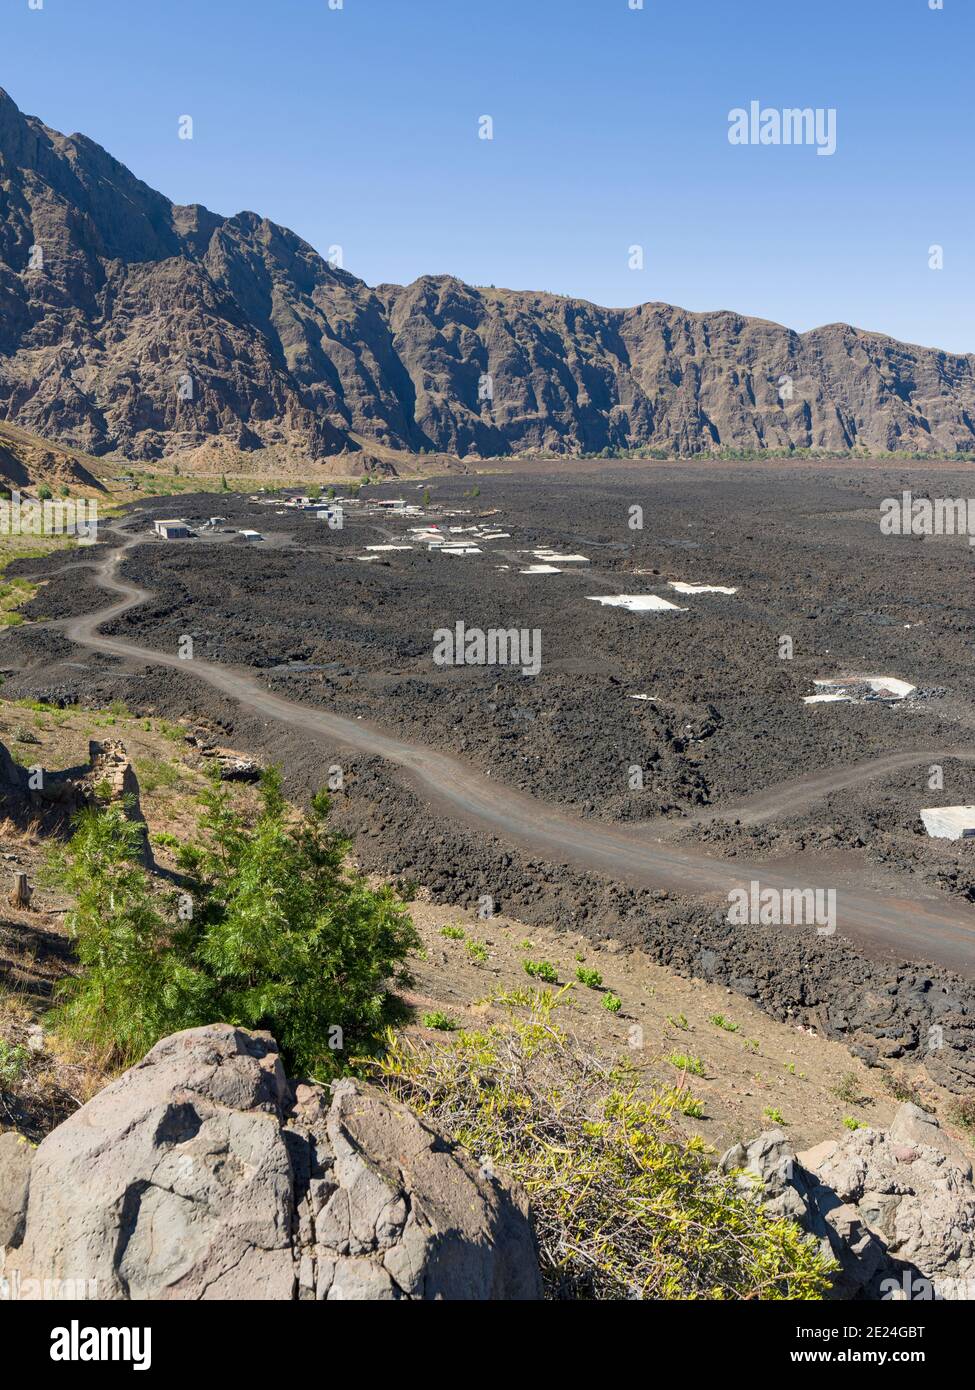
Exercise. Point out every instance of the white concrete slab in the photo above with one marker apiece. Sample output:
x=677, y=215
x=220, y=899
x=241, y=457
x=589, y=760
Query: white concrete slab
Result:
x=949, y=822
x=682, y=588
x=637, y=603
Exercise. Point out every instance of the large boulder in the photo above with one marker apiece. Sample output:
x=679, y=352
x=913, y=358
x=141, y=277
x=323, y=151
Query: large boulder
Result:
x=895, y=1208
x=16, y=1155
x=201, y=1173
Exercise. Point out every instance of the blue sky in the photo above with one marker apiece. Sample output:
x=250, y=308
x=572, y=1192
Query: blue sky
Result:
x=358, y=127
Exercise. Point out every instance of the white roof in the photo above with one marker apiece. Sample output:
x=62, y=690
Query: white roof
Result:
x=887, y=687
x=637, y=603
x=683, y=588
x=949, y=822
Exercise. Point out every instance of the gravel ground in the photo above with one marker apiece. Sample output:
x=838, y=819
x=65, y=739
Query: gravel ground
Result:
x=804, y=550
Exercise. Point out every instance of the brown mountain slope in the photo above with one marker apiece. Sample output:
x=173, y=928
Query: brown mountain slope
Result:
x=129, y=323
x=26, y=461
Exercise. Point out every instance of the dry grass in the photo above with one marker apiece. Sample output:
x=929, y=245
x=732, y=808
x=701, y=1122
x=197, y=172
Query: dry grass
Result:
x=41, y=1081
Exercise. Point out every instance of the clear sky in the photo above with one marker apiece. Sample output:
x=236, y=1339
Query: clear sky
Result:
x=358, y=126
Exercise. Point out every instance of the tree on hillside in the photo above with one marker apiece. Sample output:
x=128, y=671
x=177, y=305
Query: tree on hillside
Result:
x=270, y=930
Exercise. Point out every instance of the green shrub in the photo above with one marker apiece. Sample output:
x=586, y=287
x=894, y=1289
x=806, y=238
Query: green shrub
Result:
x=452, y=933
x=590, y=978
x=962, y=1112
x=165, y=839
x=622, y=1207
x=477, y=953
x=720, y=1021
x=279, y=936
x=682, y=1062
x=690, y=1105
x=13, y=1063
x=612, y=1002
x=542, y=970
x=442, y=1022
x=774, y=1115
x=848, y=1089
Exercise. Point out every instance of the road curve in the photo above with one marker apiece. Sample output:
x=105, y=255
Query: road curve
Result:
x=927, y=930
x=785, y=798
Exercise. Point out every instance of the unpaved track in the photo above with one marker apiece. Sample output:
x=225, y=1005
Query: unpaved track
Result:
x=924, y=930
x=785, y=798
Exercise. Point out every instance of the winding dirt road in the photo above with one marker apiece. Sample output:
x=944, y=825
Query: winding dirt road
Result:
x=923, y=930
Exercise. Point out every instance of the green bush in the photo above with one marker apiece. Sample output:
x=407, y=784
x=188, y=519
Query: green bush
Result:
x=542, y=970
x=683, y=1062
x=590, y=978
x=272, y=932
x=622, y=1206
x=442, y=1022
x=720, y=1021
x=13, y=1063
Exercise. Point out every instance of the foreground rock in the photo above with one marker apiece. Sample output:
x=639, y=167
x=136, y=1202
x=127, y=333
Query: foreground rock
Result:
x=207, y=1176
x=15, y=1164
x=896, y=1209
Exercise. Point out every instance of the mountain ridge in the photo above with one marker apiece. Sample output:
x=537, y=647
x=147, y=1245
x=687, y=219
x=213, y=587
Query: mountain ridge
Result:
x=132, y=324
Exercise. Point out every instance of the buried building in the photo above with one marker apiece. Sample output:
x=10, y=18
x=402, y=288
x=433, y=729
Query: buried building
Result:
x=949, y=822
x=857, y=688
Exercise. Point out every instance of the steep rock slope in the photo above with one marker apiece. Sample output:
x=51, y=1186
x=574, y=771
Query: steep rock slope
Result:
x=130, y=323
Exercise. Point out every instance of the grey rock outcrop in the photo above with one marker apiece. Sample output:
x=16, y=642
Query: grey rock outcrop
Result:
x=16, y=1155
x=207, y=1176
x=895, y=1208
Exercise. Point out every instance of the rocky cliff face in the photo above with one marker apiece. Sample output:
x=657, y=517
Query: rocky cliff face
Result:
x=895, y=1208
x=209, y=1176
x=129, y=323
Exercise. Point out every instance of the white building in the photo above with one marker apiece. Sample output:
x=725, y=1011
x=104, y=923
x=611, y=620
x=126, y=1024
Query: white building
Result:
x=172, y=529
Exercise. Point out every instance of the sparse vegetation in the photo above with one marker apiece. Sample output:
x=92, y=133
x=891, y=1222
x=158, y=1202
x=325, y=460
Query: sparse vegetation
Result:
x=452, y=933
x=720, y=1021
x=477, y=953
x=590, y=978
x=622, y=1207
x=848, y=1089
x=439, y=1021
x=692, y=1065
x=156, y=774
x=542, y=970
x=962, y=1113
